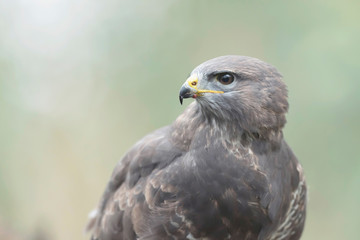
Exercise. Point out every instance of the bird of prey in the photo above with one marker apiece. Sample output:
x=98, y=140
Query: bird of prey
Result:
x=222, y=170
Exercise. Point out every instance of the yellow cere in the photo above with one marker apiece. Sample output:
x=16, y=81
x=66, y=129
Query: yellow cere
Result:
x=193, y=81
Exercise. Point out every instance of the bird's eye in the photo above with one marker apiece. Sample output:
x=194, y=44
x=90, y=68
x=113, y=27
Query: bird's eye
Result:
x=225, y=78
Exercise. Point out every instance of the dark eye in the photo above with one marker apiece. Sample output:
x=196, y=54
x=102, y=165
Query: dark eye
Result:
x=225, y=78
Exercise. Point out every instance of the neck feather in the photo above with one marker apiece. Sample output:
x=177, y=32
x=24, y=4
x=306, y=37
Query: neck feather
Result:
x=196, y=118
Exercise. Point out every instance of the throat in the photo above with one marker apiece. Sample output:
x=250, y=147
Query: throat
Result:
x=186, y=126
x=194, y=125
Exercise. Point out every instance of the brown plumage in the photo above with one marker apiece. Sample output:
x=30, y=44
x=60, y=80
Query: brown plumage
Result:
x=222, y=170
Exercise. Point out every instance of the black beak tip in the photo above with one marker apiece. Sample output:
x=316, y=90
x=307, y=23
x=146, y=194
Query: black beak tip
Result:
x=181, y=98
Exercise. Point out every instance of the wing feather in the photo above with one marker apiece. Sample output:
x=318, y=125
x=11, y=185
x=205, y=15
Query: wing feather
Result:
x=123, y=205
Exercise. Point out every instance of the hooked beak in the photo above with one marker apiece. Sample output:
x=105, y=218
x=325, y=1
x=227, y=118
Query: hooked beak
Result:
x=190, y=89
x=186, y=92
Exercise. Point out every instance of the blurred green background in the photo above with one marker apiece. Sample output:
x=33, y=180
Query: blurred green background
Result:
x=81, y=81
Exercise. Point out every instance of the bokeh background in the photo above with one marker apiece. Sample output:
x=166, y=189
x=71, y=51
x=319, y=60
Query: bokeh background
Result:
x=81, y=81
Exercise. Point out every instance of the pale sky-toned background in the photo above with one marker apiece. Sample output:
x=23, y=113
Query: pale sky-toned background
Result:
x=81, y=81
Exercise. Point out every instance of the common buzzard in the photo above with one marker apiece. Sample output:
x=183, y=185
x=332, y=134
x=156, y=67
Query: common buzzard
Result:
x=222, y=170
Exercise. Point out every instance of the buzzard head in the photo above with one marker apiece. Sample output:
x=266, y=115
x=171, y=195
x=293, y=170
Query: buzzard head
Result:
x=241, y=90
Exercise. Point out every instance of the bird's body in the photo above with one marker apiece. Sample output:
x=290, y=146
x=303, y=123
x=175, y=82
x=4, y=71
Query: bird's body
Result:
x=222, y=170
